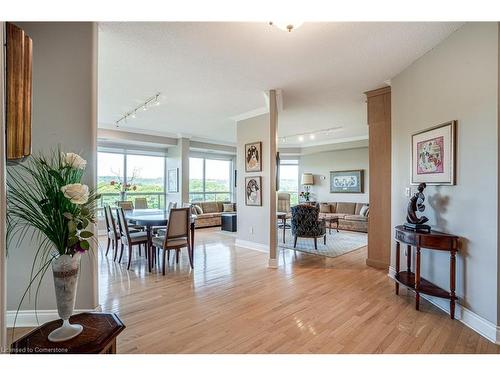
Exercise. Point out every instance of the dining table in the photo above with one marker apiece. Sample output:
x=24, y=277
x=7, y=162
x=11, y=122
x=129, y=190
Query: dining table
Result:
x=150, y=218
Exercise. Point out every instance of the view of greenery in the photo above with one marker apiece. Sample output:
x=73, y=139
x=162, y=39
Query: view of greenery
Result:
x=144, y=188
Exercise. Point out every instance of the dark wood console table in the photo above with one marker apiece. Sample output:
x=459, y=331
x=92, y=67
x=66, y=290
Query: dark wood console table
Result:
x=98, y=337
x=432, y=241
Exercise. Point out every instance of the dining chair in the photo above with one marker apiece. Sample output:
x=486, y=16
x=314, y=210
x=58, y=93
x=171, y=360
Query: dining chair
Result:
x=126, y=205
x=141, y=203
x=112, y=231
x=128, y=238
x=177, y=235
x=171, y=205
x=283, y=205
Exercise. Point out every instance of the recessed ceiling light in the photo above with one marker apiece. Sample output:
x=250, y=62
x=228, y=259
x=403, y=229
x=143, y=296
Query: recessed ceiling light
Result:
x=312, y=136
x=301, y=138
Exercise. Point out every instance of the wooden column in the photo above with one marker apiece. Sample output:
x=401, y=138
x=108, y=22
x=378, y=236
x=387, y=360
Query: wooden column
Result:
x=379, y=129
x=3, y=260
x=273, y=139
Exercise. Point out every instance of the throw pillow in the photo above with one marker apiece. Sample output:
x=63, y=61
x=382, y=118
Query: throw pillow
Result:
x=198, y=209
x=324, y=208
x=228, y=207
x=364, y=210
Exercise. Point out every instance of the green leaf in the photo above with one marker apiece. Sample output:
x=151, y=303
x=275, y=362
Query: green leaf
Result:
x=57, y=176
x=72, y=241
x=85, y=223
x=85, y=245
x=85, y=211
x=71, y=226
x=86, y=234
x=68, y=215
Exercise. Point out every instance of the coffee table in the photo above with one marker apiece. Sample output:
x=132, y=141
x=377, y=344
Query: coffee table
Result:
x=332, y=220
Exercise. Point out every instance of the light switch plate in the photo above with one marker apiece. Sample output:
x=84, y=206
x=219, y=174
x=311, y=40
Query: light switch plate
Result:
x=408, y=191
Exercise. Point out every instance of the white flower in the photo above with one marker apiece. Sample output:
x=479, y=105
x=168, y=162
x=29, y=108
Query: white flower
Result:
x=74, y=160
x=76, y=193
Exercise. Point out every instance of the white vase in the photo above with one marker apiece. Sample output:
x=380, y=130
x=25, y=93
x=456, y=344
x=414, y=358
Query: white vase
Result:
x=65, y=270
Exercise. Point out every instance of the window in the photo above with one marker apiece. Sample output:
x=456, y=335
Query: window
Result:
x=110, y=170
x=209, y=179
x=146, y=177
x=133, y=175
x=289, y=179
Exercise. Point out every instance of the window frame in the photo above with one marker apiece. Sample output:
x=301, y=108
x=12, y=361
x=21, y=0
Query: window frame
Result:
x=162, y=196
x=204, y=192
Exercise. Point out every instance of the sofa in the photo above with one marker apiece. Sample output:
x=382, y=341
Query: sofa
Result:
x=210, y=214
x=349, y=215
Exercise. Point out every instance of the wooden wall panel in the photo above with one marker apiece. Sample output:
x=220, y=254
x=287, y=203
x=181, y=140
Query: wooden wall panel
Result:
x=379, y=225
x=27, y=93
x=19, y=91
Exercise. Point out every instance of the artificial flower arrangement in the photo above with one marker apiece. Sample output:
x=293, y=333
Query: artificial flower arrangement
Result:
x=120, y=186
x=305, y=195
x=58, y=208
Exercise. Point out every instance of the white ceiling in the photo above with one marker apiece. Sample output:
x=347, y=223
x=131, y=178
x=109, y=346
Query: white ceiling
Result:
x=210, y=73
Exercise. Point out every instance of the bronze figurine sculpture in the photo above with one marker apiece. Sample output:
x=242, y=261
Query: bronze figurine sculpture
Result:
x=413, y=222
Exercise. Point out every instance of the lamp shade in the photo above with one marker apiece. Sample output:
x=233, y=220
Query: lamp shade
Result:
x=307, y=179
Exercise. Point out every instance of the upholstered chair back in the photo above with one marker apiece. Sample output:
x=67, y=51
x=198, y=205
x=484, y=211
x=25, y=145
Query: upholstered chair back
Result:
x=178, y=223
x=141, y=203
x=305, y=221
x=283, y=202
x=122, y=225
x=126, y=205
x=110, y=221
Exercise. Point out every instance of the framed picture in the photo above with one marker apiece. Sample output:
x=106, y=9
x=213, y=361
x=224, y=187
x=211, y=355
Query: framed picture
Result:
x=347, y=181
x=173, y=180
x=253, y=157
x=253, y=191
x=433, y=155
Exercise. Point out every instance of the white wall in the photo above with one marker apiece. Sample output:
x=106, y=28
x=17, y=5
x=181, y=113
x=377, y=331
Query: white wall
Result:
x=320, y=164
x=457, y=80
x=253, y=218
x=64, y=113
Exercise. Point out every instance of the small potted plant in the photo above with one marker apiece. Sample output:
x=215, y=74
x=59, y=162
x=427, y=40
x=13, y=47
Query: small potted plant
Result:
x=59, y=209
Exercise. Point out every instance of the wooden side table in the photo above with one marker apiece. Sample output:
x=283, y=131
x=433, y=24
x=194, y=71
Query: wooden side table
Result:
x=98, y=337
x=432, y=241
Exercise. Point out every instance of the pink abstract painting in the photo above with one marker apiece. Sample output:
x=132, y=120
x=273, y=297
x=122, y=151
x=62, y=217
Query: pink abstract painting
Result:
x=430, y=155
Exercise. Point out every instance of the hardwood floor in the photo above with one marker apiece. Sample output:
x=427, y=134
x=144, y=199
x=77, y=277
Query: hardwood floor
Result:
x=233, y=303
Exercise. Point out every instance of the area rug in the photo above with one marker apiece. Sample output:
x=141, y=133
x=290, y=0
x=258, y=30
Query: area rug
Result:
x=336, y=243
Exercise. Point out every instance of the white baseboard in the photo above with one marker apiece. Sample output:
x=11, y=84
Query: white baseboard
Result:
x=475, y=322
x=28, y=318
x=252, y=245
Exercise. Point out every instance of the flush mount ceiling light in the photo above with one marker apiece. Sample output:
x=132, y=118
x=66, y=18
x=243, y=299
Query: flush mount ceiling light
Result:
x=287, y=26
x=312, y=135
x=150, y=102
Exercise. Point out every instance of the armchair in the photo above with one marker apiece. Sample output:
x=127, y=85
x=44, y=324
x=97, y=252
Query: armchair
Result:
x=306, y=223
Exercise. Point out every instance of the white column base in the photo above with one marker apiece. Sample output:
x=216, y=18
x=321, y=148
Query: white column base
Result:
x=273, y=263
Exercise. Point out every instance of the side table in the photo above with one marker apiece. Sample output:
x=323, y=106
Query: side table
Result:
x=98, y=337
x=432, y=241
x=228, y=222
